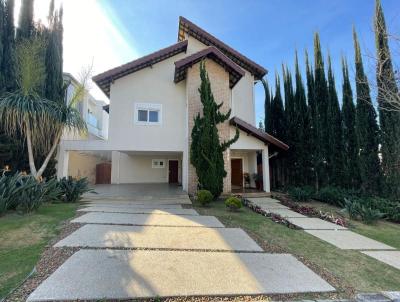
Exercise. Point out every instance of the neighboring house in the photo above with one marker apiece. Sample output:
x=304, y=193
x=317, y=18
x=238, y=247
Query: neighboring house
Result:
x=153, y=102
x=94, y=112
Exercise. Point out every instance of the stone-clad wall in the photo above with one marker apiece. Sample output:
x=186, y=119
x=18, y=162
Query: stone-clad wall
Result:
x=219, y=79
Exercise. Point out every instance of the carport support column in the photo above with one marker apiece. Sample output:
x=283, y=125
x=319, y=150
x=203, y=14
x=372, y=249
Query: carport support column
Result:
x=185, y=170
x=62, y=163
x=265, y=169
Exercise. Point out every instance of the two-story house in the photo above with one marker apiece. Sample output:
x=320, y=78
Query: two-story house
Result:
x=153, y=102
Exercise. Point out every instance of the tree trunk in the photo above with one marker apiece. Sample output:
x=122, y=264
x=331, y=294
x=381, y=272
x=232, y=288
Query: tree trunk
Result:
x=30, y=151
x=48, y=157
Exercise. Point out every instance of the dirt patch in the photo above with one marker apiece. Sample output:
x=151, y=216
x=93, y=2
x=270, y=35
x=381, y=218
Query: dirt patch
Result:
x=23, y=236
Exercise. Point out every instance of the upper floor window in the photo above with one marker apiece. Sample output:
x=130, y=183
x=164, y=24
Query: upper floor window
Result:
x=148, y=114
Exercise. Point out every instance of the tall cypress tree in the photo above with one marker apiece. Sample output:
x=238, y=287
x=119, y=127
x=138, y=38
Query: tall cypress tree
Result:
x=25, y=25
x=366, y=128
x=2, y=11
x=350, y=167
x=278, y=113
x=321, y=100
x=389, y=117
x=267, y=107
x=206, y=150
x=335, y=136
x=8, y=64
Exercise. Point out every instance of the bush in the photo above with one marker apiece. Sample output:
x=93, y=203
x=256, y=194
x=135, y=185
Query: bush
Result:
x=204, y=197
x=31, y=194
x=352, y=207
x=73, y=189
x=9, y=190
x=369, y=215
x=331, y=195
x=301, y=193
x=52, y=190
x=233, y=203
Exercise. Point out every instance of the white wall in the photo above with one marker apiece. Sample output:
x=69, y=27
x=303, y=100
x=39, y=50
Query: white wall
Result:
x=138, y=168
x=83, y=165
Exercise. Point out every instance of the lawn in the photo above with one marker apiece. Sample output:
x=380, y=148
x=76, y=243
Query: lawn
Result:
x=350, y=270
x=23, y=239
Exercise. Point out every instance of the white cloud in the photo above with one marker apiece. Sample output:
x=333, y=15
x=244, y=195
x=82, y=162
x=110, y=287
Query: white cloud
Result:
x=89, y=36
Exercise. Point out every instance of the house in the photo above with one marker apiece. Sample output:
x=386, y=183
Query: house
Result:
x=153, y=102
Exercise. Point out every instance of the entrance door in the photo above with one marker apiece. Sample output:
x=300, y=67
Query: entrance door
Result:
x=173, y=172
x=236, y=173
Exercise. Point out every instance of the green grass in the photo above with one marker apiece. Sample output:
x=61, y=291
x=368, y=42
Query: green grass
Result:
x=351, y=269
x=23, y=239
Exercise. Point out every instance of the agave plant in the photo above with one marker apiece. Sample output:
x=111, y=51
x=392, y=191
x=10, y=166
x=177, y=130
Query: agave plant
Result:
x=74, y=188
x=40, y=121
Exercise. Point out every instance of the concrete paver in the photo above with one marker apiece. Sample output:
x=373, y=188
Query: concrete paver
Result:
x=117, y=236
x=391, y=258
x=347, y=240
x=284, y=213
x=169, y=201
x=314, y=224
x=123, y=274
x=259, y=200
x=137, y=210
x=136, y=206
x=149, y=219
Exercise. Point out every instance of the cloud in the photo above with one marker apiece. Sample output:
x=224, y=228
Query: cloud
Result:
x=90, y=37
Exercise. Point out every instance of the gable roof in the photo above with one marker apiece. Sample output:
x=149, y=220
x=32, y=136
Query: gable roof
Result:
x=257, y=133
x=105, y=79
x=181, y=66
x=185, y=26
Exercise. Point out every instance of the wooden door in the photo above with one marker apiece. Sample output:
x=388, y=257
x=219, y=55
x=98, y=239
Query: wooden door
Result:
x=237, y=172
x=173, y=172
x=103, y=173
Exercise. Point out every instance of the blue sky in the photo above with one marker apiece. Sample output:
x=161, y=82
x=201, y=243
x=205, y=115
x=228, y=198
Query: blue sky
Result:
x=266, y=31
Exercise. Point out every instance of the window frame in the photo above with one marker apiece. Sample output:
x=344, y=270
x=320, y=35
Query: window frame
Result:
x=158, y=161
x=148, y=107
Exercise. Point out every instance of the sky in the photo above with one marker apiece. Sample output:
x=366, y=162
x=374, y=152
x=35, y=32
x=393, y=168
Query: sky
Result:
x=107, y=33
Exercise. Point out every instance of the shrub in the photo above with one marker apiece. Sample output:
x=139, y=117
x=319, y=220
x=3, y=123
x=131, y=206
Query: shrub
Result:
x=352, y=207
x=73, y=189
x=31, y=194
x=233, y=203
x=331, y=195
x=369, y=215
x=204, y=197
x=9, y=191
x=52, y=190
x=301, y=193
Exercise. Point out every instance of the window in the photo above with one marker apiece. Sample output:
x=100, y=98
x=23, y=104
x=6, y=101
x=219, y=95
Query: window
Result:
x=158, y=163
x=147, y=114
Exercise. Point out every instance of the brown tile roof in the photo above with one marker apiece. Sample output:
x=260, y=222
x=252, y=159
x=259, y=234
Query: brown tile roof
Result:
x=104, y=79
x=185, y=26
x=181, y=66
x=257, y=133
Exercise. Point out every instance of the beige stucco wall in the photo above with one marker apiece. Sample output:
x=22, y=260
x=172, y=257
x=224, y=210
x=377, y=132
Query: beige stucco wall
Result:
x=128, y=168
x=155, y=86
x=83, y=165
x=245, y=141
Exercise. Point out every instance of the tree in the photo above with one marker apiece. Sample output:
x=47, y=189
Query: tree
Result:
x=206, y=150
x=350, y=166
x=278, y=125
x=334, y=138
x=26, y=111
x=321, y=101
x=267, y=106
x=25, y=25
x=366, y=128
x=8, y=64
x=389, y=118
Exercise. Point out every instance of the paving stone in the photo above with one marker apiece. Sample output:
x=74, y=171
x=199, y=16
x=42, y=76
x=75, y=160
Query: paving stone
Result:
x=284, y=213
x=123, y=274
x=391, y=258
x=139, y=210
x=117, y=236
x=260, y=200
x=149, y=219
x=347, y=240
x=272, y=205
x=371, y=297
x=142, y=201
x=394, y=296
x=135, y=206
x=314, y=224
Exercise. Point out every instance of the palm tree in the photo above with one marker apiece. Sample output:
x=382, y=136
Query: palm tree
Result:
x=39, y=121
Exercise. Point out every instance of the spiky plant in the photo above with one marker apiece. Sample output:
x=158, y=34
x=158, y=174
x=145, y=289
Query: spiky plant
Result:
x=24, y=111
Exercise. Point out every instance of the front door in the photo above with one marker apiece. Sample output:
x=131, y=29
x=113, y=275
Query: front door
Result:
x=236, y=173
x=173, y=172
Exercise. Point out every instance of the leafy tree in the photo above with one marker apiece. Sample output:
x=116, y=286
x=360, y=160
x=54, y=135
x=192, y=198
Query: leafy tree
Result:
x=25, y=111
x=366, y=128
x=321, y=100
x=350, y=165
x=206, y=150
x=335, y=136
x=267, y=106
x=389, y=117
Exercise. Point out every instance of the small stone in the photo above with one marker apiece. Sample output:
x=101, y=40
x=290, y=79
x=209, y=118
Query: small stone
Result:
x=375, y=297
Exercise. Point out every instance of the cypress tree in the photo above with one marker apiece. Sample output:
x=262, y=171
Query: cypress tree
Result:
x=335, y=136
x=8, y=64
x=25, y=25
x=206, y=150
x=350, y=166
x=267, y=106
x=366, y=128
x=321, y=101
x=2, y=34
x=277, y=112
x=389, y=117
